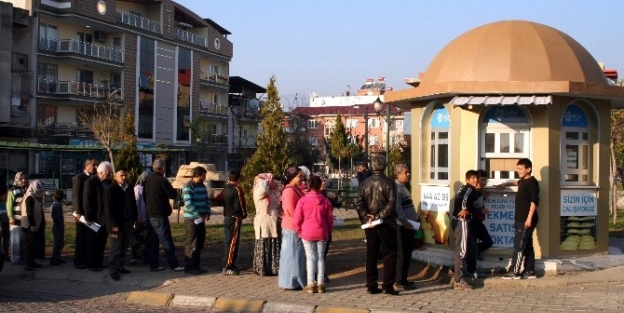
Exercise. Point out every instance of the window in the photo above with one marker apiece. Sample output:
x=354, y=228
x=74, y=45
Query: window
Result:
x=48, y=36
x=373, y=140
x=46, y=114
x=47, y=76
x=313, y=141
x=329, y=129
x=215, y=99
x=214, y=69
x=397, y=125
x=504, y=139
x=85, y=77
x=312, y=124
x=352, y=123
x=439, y=144
x=373, y=122
x=575, y=152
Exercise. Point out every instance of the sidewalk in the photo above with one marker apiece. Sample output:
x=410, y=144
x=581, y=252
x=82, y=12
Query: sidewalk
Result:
x=249, y=292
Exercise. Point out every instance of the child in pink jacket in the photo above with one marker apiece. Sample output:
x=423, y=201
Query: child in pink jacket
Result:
x=313, y=222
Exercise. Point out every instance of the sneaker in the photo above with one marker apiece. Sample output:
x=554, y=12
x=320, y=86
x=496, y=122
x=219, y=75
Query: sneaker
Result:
x=391, y=292
x=511, y=275
x=178, y=269
x=320, y=288
x=529, y=275
x=307, y=289
x=157, y=269
x=230, y=271
x=462, y=285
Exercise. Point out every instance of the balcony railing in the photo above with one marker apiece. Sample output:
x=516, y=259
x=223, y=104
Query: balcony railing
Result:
x=206, y=107
x=190, y=37
x=83, y=48
x=214, y=77
x=79, y=89
x=138, y=21
x=22, y=81
x=63, y=129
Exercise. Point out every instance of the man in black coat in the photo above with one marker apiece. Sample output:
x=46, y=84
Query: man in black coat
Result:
x=122, y=213
x=80, y=249
x=93, y=203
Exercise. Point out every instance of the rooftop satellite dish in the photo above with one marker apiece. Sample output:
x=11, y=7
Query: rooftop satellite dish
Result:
x=254, y=103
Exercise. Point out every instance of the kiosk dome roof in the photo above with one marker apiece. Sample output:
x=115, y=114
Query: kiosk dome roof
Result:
x=513, y=51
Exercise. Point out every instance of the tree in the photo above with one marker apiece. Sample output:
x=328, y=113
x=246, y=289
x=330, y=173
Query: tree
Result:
x=400, y=153
x=301, y=150
x=128, y=156
x=201, y=130
x=340, y=144
x=106, y=123
x=272, y=154
x=616, y=146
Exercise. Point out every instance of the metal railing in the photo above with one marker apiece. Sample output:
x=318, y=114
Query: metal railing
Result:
x=63, y=129
x=206, y=107
x=80, y=47
x=80, y=89
x=190, y=37
x=214, y=77
x=138, y=21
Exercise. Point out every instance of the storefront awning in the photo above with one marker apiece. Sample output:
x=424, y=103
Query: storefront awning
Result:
x=501, y=100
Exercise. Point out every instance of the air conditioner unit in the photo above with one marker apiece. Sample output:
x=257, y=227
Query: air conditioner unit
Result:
x=100, y=36
x=20, y=18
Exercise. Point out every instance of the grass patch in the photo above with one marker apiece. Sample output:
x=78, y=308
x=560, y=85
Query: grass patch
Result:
x=214, y=234
x=617, y=229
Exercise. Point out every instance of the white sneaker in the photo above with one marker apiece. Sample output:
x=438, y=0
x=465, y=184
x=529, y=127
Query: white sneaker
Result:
x=178, y=269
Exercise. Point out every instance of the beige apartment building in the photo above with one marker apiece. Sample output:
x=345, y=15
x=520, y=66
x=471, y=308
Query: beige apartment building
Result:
x=155, y=58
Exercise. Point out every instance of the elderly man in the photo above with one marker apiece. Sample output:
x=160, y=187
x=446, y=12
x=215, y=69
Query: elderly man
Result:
x=405, y=231
x=376, y=202
x=157, y=193
x=121, y=213
x=80, y=249
x=93, y=203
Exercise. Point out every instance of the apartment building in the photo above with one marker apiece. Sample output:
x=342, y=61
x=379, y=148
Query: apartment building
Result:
x=155, y=58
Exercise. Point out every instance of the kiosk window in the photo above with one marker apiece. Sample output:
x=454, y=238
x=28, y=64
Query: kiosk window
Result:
x=438, y=156
x=575, y=152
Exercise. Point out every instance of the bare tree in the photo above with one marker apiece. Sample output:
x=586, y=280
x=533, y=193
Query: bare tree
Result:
x=617, y=139
x=105, y=120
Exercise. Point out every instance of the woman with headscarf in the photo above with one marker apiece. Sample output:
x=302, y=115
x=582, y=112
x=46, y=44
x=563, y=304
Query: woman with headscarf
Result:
x=138, y=245
x=292, y=270
x=32, y=217
x=266, y=197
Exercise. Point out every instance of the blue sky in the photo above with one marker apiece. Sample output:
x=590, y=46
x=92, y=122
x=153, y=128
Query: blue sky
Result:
x=325, y=46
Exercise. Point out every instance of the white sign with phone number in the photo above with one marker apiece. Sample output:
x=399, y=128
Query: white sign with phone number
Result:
x=435, y=198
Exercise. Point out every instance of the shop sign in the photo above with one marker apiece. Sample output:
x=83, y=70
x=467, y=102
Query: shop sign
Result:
x=435, y=198
x=500, y=220
x=579, y=203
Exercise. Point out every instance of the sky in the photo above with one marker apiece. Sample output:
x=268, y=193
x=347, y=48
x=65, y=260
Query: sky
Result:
x=331, y=46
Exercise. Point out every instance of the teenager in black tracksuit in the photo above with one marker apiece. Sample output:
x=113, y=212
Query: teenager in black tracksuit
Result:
x=234, y=211
x=525, y=219
x=465, y=244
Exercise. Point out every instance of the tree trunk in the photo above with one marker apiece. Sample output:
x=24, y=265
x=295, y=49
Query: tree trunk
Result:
x=612, y=182
x=110, y=156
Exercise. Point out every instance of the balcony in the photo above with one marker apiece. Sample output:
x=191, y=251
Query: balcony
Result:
x=245, y=141
x=206, y=107
x=63, y=129
x=81, y=48
x=79, y=89
x=189, y=37
x=212, y=77
x=138, y=22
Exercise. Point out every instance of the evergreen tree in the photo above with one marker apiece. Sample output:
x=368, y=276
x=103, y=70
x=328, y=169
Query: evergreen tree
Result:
x=340, y=145
x=128, y=156
x=271, y=155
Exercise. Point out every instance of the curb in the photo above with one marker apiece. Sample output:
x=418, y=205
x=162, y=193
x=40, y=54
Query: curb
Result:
x=238, y=305
x=326, y=309
x=149, y=298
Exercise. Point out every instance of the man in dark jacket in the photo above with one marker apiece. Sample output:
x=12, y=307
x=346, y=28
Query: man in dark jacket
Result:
x=376, y=202
x=94, y=212
x=157, y=193
x=122, y=212
x=80, y=248
x=234, y=212
x=363, y=173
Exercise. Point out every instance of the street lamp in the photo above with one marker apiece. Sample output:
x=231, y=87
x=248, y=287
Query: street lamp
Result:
x=377, y=106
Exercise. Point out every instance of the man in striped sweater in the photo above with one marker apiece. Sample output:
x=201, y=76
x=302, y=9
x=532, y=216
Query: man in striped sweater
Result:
x=196, y=212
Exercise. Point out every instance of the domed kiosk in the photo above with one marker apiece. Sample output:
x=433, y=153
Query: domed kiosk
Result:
x=504, y=91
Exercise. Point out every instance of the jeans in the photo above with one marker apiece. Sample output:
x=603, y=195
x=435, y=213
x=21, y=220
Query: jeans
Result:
x=160, y=231
x=17, y=239
x=58, y=232
x=315, y=260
